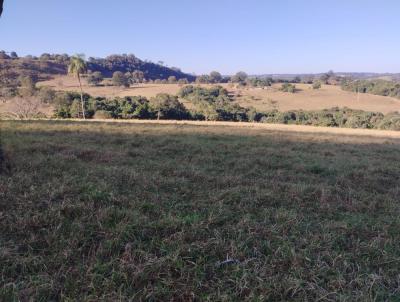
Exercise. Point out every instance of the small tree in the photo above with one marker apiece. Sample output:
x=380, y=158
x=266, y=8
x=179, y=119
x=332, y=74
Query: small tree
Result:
x=138, y=76
x=203, y=79
x=172, y=80
x=239, y=77
x=25, y=107
x=316, y=85
x=46, y=94
x=95, y=78
x=77, y=67
x=13, y=55
x=119, y=79
x=75, y=109
x=27, y=86
x=287, y=87
x=183, y=81
x=168, y=106
x=215, y=77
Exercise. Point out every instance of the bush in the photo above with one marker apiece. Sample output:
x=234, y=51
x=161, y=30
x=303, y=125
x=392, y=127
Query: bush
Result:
x=167, y=106
x=119, y=79
x=103, y=114
x=377, y=87
x=95, y=78
x=288, y=87
x=316, y=85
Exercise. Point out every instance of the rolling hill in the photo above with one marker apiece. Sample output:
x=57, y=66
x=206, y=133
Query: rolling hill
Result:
x=48, y=65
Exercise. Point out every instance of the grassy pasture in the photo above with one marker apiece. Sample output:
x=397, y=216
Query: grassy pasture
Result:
x=117, y=211
x=262, y=99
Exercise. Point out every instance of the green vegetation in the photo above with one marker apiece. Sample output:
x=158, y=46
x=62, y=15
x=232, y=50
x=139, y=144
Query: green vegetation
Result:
x=116, y=212
x=316, y=85
x=48, y=65
x=95, y=78
x=377, y=87
x=288, y=87
x=77, y=67
x=335, y=117
x=119, y=79
x=215, y=104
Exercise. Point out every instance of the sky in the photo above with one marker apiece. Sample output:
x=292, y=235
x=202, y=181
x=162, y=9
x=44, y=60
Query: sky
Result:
x=198, y=36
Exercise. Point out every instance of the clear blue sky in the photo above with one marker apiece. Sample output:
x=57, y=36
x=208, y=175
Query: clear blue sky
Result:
x=257, y=36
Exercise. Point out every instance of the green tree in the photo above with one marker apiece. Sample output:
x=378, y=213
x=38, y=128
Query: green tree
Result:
x=77, y=67
x=46, y=94
x=288, y=87
x=13, y=55
x=27, y=86
x=203, y=79
x=183, y=81
x=239, y=77
x=95, y=78
x=168, y=106
x=138, y=76
x=119, y=79
x=215, y=77
x=172, y=79
x=75, y=109
x=316, y=85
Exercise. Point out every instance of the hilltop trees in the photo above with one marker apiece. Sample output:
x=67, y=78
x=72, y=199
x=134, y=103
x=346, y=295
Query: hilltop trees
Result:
x=130, y=63
x=77, y=67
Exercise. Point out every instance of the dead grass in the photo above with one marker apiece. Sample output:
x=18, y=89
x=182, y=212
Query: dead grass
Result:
x=176, y=212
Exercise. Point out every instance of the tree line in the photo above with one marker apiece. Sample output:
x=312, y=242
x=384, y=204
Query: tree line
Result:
x=213, y=104
x=377, y=87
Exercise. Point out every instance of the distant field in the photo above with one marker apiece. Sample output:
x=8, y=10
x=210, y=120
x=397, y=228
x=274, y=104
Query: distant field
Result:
x=262, y=99
x=176, y=212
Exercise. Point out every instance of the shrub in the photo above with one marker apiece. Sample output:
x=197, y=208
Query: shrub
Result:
x=288, y=87
x=103, y=114
x=119, y=79
x=316, y=85
x=95, y=78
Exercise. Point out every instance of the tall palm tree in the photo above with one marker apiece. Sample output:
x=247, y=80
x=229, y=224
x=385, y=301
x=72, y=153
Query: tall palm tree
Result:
x=77, y=66
x=1, y=7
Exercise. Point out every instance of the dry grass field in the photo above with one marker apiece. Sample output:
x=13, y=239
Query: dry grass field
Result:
x=262, y=99
x=135, y=211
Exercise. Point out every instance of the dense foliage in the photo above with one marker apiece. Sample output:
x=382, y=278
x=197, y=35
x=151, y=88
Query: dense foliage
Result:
x=212, y=104
x=377, y=87
x=335, y=117
x=288, y=87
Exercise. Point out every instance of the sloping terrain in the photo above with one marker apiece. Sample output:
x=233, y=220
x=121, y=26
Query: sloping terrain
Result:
x=269, y=98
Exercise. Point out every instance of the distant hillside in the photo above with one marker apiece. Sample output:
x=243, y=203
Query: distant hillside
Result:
x=130, y=63
x=48, y=65
x=353, y=75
